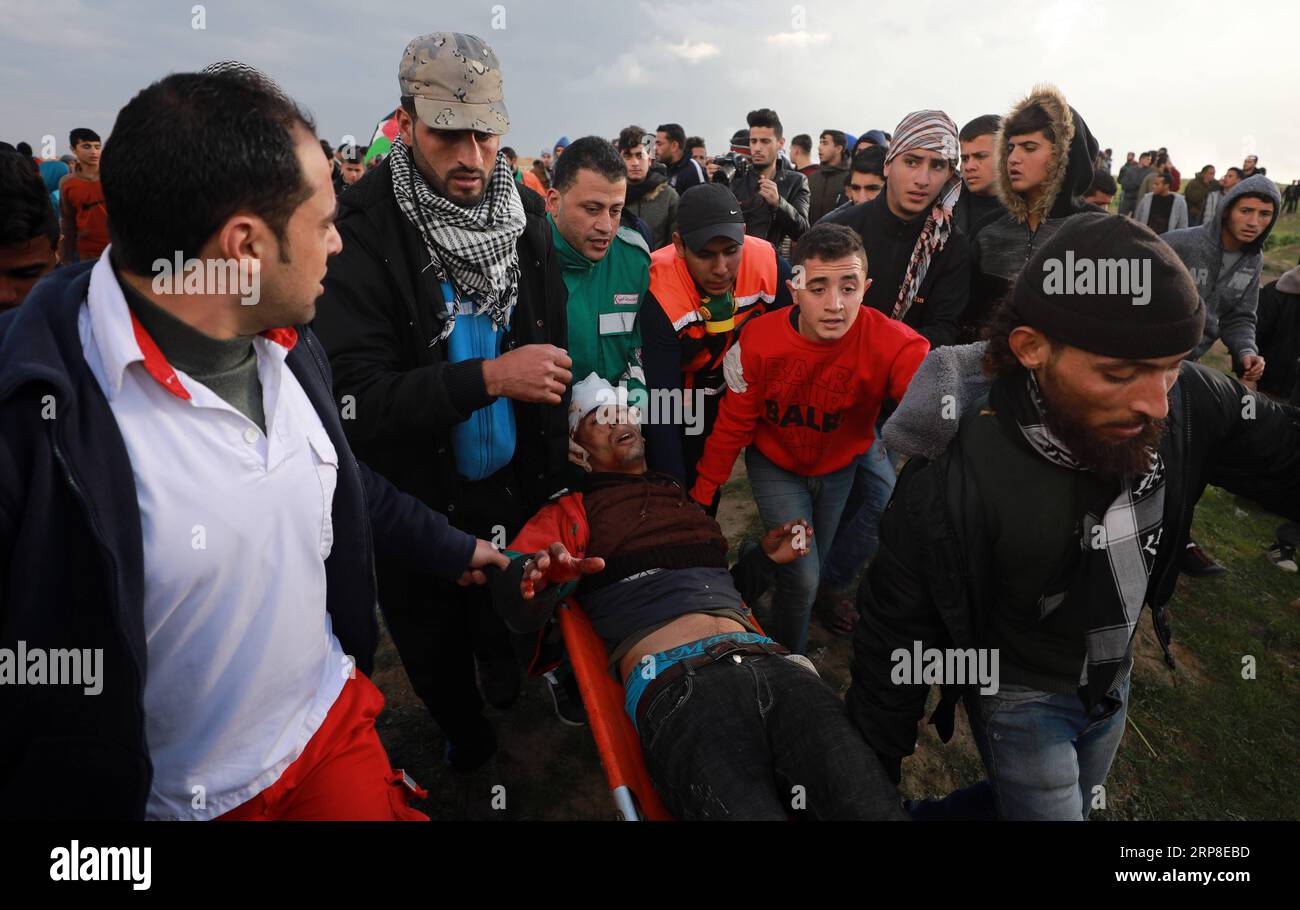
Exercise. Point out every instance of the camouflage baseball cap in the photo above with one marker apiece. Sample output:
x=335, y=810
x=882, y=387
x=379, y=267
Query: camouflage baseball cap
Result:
x=455, y=80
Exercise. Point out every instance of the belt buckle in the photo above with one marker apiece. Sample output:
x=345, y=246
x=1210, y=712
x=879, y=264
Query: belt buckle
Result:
x=720, y=649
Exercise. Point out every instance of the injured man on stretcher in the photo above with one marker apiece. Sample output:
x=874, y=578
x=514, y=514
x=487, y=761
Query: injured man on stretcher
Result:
x=731, y=725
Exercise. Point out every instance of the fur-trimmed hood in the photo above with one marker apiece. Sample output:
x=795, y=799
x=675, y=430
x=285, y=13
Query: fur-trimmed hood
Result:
x=1070, y=172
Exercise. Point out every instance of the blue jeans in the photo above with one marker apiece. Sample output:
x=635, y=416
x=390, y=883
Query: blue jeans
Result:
x=755, y=738
x=1043, y=754
x=782, y=496
x=858, y=536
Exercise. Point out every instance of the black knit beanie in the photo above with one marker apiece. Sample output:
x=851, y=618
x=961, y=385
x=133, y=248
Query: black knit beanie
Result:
x=1109, y=285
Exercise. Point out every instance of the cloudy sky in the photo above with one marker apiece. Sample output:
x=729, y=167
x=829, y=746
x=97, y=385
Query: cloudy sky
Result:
x=1211, y=81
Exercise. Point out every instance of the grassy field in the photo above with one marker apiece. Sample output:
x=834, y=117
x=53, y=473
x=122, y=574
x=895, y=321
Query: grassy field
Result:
x=1202, y=742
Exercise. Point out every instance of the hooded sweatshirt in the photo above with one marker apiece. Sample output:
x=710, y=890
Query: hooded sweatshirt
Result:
x=1230, y=290
x=655, y=202
x=1002, y=247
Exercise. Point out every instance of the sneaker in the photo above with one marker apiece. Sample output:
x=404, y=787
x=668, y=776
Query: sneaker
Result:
x=1198, y=565
x=566, y=697
x=499, y=681
x=1283, y=556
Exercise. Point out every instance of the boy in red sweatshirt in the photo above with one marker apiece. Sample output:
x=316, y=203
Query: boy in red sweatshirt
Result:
x=805, y=387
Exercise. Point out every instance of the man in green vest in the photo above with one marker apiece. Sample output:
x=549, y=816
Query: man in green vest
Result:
x=606, y=267
x=606, y=270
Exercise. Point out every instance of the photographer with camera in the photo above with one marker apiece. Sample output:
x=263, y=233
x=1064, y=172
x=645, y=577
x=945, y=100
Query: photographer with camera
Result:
x=773, y=196
x=723, y=168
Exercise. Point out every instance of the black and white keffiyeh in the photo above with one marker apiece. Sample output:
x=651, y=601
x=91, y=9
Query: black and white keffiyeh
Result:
x=1132, y=527
x=472, y=248
x=933, y=131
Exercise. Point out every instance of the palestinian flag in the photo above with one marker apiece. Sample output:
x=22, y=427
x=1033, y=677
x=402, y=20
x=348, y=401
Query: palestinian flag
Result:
x=385, y=133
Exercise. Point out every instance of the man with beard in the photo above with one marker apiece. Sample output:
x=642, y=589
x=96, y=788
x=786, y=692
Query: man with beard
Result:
x=649, y=196
x=773, y=196
x=1040, y=522
x=207, y=532
x=444, y=318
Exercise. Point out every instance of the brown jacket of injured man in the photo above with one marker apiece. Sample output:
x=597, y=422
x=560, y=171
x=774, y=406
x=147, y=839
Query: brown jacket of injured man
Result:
x=731, y=724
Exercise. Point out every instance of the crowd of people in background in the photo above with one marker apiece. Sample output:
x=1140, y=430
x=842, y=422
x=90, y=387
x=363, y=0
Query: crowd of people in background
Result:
x=473, y=387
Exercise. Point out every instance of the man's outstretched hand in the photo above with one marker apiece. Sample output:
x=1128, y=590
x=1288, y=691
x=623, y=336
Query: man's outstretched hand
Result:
x=555, y=565
x=788, y=542
x=484, y=555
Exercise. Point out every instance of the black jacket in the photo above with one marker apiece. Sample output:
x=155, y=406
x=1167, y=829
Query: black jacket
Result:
x=379, y=318
x=889, y=241
x=1278, y=335
x=72, y=561
x=788, y=218
x=685, y=173
x=1003, y=244
x=826, y=189
x=933, y=577
x=972, y=212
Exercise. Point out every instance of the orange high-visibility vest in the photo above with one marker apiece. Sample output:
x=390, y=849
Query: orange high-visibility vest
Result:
x=705, y=343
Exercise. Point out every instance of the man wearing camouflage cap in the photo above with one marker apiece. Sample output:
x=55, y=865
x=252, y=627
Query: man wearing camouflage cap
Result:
x=444, y=318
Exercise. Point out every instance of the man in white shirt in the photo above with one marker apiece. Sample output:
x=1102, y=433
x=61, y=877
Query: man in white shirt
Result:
x=209, y=534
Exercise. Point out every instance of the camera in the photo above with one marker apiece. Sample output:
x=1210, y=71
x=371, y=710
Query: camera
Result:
x=732, y=167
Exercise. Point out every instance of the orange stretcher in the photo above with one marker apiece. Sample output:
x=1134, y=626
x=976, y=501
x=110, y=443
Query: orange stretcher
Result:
x=616, y=739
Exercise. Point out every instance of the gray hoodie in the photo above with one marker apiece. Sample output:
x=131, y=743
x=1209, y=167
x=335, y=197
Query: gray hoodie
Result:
x=1230, y=300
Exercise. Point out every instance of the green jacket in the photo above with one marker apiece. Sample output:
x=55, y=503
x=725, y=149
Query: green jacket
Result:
x=604, y=302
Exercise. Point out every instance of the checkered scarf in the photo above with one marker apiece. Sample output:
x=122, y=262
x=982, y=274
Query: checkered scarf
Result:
x=472, y=248
x=933, y=131
x=1132, y=528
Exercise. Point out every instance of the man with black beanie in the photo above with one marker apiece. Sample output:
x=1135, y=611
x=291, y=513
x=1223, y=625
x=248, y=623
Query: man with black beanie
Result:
x=1048, y=498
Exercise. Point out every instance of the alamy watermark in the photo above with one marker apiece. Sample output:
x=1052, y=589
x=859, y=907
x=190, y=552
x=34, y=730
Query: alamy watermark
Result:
x=946, y=666
x=672, y=407
x=24, y=666
x=209, y=276
x=76, y=863
x=1109, y=277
